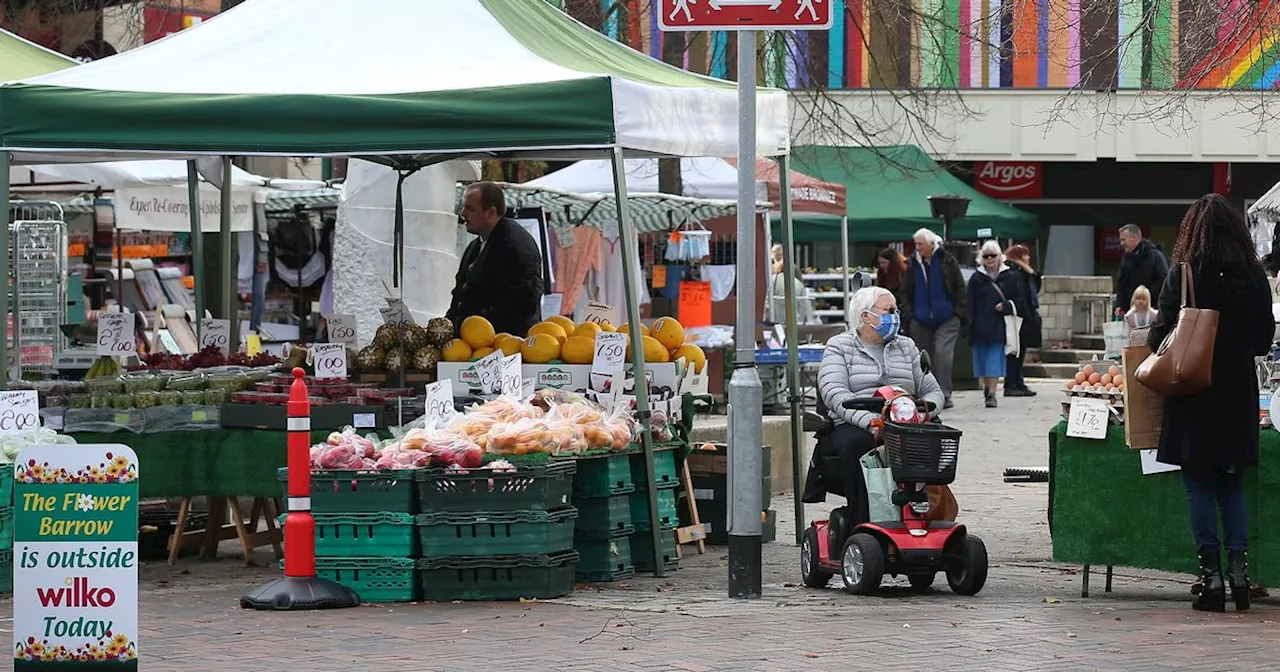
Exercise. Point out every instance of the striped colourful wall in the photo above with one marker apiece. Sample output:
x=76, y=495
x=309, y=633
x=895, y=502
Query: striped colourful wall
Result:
x=1032, y=44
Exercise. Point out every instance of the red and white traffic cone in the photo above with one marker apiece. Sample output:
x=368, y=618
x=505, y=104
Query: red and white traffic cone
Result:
x=300, y=588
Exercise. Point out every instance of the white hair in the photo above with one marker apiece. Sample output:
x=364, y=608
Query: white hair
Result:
x=992, y=247
x=864, y=300
x=928, y=234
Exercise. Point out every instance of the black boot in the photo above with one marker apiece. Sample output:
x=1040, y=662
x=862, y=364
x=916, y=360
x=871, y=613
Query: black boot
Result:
x=1213, y=596
x=1238, y=578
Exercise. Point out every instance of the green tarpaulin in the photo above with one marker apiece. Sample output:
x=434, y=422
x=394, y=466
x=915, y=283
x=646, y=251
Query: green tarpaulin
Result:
x=888, y=191
x=20, y=58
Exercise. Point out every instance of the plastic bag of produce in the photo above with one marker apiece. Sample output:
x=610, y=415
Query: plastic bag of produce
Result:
x=13, y=443
x=521, y=437
x=451, y=450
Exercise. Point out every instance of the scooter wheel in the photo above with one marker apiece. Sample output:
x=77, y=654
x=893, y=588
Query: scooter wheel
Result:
x=812, y=572
x=862, y=564
x=921, y=581
x=968, y=573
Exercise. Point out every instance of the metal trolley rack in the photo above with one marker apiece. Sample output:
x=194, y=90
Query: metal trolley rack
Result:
x=37, y=285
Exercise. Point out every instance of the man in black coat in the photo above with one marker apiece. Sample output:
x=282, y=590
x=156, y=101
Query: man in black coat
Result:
x=1143, y=265
x=500, y=276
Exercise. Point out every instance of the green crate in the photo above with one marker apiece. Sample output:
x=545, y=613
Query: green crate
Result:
x=6, y=571
x=346, y=491
x=604, y=559
x=508, y=577
x=6, y=485
x=539, y=487
x=642, y=551
x=664, y=469
x=604, y=517
x=496, y=533
x=667, y=517
x=373, y=579
x=603, y=477
x=365, y=535
x=6, y=528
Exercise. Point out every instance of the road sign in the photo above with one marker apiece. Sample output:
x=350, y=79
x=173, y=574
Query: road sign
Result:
x=745, y=14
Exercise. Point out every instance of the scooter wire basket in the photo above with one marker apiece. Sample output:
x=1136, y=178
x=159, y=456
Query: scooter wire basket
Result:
x=922, y=453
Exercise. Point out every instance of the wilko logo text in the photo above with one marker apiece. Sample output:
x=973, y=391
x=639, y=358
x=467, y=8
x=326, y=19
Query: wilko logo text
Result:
x=77, y=595
x=1009, y=179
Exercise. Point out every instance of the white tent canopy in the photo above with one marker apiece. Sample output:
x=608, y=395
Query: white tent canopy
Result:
x=701, y=177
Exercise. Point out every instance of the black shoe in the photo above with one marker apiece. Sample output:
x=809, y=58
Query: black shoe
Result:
x=947, y=404
x=1018, y=392
x=1238, y=578
x=1213, y=594
x=991, y=399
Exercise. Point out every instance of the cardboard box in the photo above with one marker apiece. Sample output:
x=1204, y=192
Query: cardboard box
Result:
x=1143, y=408
x=573, y=377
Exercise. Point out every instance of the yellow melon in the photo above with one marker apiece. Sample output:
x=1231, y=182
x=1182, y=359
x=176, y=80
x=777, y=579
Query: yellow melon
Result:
x=693, y=356
x=654, y=350
x=456, y=350
x=589, y=329
x=551, y=329
x=540, y=349
x=669, y=332
x=608, y=326
x=508, y=344
x=477, y=332
x=626, y=329
x=481, y=353
x=578, y=350
x=564, y=322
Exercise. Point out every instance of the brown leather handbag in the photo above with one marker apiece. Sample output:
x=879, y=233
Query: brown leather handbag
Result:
x=1183, y=365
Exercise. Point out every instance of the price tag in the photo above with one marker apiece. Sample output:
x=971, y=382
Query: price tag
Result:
x=489, y=372
x=115, y=335
x=611, y=352
x=330, y=360
x=122, y=418
x=599, y=313
x=552, y=304
x=1088, y=418
x=659, y=277
x=252, y=344
x=396, y=312
x=342, y=329
x=199, y=416
x=216, y=333
x=527, y=388
x=19, y=410
x=363, y=420
x=511, y=379
x=439, y=402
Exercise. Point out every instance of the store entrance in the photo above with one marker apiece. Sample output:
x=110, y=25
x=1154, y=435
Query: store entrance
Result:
x=1070, y=251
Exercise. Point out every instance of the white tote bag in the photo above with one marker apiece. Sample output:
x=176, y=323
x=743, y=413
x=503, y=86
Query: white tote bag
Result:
x=1012, y=331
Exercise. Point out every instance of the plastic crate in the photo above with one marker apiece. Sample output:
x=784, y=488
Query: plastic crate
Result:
x=508, y=577
x=642, y=551
x=603, y=477
x=664, y=469
x=668, y=518
x=604, y=518
x=538, y=487
x=364, y=535
x=6, y=571
x=604, y=559
x=6, y=528
x=373, y=579
x=6, y=485
x=496, y=533
x=345, y=491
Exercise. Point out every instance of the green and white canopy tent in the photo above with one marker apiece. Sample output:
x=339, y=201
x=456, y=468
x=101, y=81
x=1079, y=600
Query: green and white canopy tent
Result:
x=405, y=82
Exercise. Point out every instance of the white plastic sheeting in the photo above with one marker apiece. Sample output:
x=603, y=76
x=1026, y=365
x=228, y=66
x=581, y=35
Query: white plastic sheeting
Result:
x=362, y=248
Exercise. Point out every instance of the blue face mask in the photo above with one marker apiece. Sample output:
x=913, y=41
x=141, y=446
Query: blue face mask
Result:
x=888, y=326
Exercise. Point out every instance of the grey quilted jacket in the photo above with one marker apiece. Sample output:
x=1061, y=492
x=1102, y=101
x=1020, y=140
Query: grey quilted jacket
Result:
x=849, y=370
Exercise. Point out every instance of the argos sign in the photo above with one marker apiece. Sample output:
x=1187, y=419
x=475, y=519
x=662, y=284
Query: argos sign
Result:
x=1009, y=179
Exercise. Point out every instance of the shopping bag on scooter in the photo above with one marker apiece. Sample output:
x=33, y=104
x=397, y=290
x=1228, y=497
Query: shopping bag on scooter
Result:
x=942, y=504
x=880, y=487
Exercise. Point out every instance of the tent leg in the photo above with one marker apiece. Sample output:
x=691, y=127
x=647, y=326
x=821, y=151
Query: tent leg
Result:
x=793, y=337
x=630, y=272
x=844, y=263
x=4, y=262
x=768, y=268
x=197, y=245
x=228, y=268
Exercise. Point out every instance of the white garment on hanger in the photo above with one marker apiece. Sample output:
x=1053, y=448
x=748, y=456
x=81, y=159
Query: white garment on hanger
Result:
x=612, y=289
x=722, y=279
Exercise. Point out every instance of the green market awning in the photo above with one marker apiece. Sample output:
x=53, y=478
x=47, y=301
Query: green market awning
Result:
x=401, y=77
x=888, y=191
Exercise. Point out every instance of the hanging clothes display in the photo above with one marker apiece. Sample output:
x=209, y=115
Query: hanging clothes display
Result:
x=722, y=279
x=575, y=262
x=611, y=285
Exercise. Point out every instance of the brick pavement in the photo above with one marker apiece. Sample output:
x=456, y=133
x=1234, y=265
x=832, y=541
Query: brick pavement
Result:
x=1029, y=617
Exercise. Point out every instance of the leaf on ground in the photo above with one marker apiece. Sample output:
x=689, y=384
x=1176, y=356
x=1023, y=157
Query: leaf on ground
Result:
x=524, y=600
x=1071, y=635
x=810, y=655
x=1052, y=600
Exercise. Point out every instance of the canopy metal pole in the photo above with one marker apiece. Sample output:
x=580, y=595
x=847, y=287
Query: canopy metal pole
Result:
x=228, y=269
x=793, y=345
x=844, y=262
x=746, y=455
x=5, y=255
x=197, y=245
x=768, y=267
x=630, y=272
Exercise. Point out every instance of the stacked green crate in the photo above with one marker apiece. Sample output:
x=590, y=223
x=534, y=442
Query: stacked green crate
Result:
x=601, y=492
x=667, y=478
x=497, y=535
x=710, y=480
x=6, y=528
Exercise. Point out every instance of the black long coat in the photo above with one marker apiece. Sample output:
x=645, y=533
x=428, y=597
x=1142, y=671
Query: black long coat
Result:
x=1218, y=426
x=986, y=324
x=1022, y=288
x=500, y=280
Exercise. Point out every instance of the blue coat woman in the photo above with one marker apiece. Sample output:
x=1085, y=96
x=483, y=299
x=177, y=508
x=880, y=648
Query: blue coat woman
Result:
x=987, y=306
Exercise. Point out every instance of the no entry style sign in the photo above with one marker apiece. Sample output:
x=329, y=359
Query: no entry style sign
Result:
x=745, y=14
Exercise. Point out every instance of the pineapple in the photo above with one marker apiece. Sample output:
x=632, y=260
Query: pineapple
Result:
x=394, y=361
x=439, y=331
x=386, y=337
x=371, y=358
x=425, y=359
x=413, y=337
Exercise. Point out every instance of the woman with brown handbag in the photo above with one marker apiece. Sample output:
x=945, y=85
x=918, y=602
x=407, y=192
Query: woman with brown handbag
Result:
x=1213, y=433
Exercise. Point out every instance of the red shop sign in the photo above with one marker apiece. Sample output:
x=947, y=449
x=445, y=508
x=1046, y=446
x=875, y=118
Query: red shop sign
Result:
x=1109, y=248
x=1009, y=179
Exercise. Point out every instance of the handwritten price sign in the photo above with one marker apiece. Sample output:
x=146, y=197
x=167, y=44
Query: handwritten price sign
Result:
x=489, y=372
x=396, y=312
x=342, y=329
x=115, y=335
x=610, y=354
x=216, y=333
x=599, y=313
x=19, y=410
x=511, y=379
x=439, y=403
x=1088, y=418
x=330, y=360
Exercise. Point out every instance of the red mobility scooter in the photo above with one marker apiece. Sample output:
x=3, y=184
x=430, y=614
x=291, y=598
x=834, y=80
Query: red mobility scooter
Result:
x=919, y=452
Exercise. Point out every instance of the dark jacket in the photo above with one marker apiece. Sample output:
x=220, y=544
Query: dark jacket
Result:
x=1218, y=426
x=986, y=325
x=1145, y=265
x=1022, y=288
x=500, y=280
x=952, y=281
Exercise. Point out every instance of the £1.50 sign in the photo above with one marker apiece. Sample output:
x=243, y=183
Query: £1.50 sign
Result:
x=75, y=557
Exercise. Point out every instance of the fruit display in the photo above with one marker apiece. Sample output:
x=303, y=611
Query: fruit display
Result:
x=477, y=332
x=404, y=347
x=1100, y=379
x=103, y=367
x=207, y=358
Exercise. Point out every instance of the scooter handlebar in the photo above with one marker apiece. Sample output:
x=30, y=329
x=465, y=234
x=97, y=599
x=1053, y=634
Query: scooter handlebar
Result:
x=870, y=404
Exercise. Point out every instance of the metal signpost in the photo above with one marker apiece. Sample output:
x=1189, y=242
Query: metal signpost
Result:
x=745, y=394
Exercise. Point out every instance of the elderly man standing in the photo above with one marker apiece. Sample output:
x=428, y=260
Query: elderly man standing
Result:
x=932, y=300
x=1143, y=265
